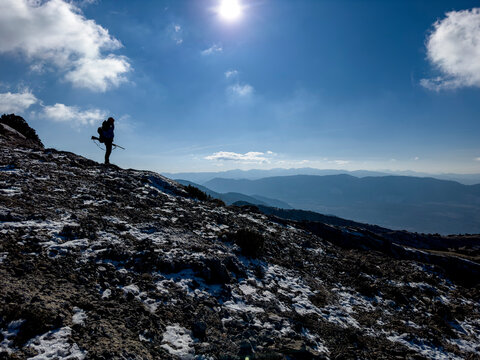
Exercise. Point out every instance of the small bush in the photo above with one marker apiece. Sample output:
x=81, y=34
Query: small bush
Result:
x=196, y=193
x=217, y=202
x=250, y=242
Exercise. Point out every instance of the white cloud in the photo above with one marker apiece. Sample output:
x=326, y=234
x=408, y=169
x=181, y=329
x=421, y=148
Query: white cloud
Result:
x=99, y=74
x=454, y=48
x=16, y=102
x=212, y=50
x=340, y=162
x=249, y=157
x=240, y=90
x=72, y=114
x=57, y=33
x=416, y=158
x=477, y=159
x=231, y=73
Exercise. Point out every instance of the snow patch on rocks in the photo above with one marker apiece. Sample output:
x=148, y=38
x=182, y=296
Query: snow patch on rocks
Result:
x=79, y=316
x=8, y=334
x=422, y=347
x=178, y=341
x=55, y=344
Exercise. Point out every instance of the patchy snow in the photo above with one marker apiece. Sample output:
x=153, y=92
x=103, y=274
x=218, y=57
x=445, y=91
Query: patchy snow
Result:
x=411, y=324
x=288, y=284
x=67, y=246
x=291, y=286
x=13, y=191
x=466, y=345
x=339, y=316
x=132, y=289
x=422, y=347
x=178, y=341
x=315, y=339
x=50, y=228
x=106, y=293
x=251, y=218
x=190, y=283
x=141, y=337
x=12, y=330
x=349, y=299
x=247, y=289
x=242, y=306
x=56, y=345
x=79, y=316
x=470, y=328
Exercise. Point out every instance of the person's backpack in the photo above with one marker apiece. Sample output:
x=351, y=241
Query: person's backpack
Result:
x=100, y=134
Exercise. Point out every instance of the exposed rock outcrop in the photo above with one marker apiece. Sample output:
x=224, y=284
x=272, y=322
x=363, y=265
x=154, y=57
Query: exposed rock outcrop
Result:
x=17, y=132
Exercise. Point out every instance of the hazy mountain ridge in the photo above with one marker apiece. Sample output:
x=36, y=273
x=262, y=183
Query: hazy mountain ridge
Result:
x=400, y=202
x=104, y=263
x=255, y=174
x=232, y=197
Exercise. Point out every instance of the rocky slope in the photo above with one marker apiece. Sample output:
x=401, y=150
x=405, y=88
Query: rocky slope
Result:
x=100, y=262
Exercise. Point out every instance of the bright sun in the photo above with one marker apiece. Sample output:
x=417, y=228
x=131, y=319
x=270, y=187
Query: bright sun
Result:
x=230, y=9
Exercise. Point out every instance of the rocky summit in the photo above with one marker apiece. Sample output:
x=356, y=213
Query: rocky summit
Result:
x=105, y=263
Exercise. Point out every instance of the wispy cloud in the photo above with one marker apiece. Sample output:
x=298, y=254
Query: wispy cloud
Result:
x=453, y=47
x=84, y=3
x=73, y=115
x=249, y=157
x=477, y=159
x=16, y=102
x=176, y=33
x=231, y=74
x=124, y=123
x=212, y=50
x=339, y=162
x=57, y=33
x=241, y=90
x=237, y=89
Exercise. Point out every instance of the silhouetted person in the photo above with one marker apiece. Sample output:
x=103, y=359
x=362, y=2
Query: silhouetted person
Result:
x=107, y=135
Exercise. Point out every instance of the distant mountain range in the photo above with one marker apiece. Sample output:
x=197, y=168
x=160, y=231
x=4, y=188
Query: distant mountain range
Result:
x=202, y=177
x=397, y=202
x=233, y=197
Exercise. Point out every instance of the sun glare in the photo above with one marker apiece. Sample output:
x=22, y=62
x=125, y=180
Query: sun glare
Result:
x=230, y=9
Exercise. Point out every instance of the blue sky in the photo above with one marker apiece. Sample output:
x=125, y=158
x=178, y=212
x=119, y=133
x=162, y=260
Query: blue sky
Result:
x=307, y=83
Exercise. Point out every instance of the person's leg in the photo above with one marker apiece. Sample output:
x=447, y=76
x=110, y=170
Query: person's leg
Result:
x=108, y=146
